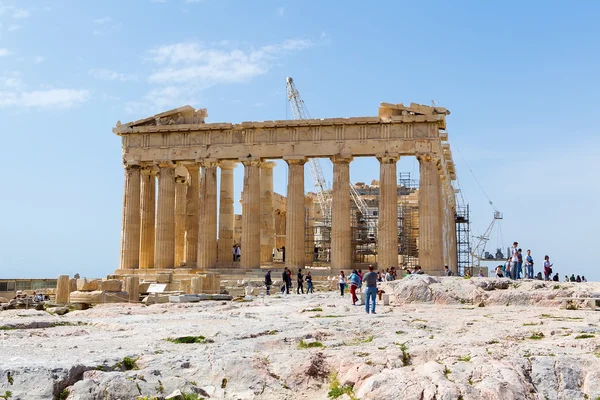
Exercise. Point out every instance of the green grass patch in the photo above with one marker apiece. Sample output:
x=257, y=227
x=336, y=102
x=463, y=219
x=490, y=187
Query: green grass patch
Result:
x=359, y=340
x=6, y=395
x=63, y=394
x=309, y=345
x=7, y=328
x=464, y=358
x=337, y=390
x=189, y=340
x=556, y=287
x=530, y=324
x=128, y=364
x=584, y=336
x=536, y=336
x=316, y=309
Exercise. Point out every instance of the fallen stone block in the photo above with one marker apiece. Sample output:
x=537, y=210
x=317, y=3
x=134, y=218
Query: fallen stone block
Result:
x=87, y=285
x=164, y=278
x=99, y=297
x=111, y=285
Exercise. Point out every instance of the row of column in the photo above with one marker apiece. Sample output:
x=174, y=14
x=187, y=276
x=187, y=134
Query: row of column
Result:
x=185, y=230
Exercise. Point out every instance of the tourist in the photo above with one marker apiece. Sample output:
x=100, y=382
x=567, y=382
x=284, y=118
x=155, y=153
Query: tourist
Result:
x=360, y=275
x=468, y=273
x=309, y=284
x=354, y=283
x=393, y=272
x=556, y=278
x=287, y=282
x=566, y=279
x=418, y=270
x=268, y=281
x=529, y=265
x=547, y=268
x=379, y=276
x=499, y=273
x=480, y=274
x=370, y=279
x=238, y=252
x=447, y=271
x=388, y=277
x=519, y=264
x=578, y=279
x=507, y=268
x=300, y=282
x=342, y=282
x=315, y=253
x=572, y=279
x=514, y=261
x=233, y=253
x=539, y=276
x=583, y=279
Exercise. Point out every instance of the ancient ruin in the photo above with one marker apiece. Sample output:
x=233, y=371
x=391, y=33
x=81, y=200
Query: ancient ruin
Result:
x=175, y=227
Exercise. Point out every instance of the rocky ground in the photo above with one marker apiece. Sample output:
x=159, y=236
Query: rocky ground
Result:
x=441, y=338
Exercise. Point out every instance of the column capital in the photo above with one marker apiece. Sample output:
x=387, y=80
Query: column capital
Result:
x=227, y=164
x=298, y=160
x=268, y=164
x=149, y=170
x=207, y=162
x=341, y=159
x=131, y=164
x=388, y=158
x=252, y=162
x=165, y=164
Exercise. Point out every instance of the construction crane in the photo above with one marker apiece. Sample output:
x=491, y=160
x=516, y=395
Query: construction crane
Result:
x=323, y=189
x=479, y=248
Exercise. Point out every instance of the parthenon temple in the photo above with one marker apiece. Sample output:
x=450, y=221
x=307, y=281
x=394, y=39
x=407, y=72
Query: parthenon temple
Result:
x=172, y=218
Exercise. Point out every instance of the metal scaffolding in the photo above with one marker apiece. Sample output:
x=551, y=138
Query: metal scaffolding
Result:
x=463, y=243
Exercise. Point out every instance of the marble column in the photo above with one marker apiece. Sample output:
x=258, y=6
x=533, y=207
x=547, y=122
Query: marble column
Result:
x=226, y=214
x=341, y=234
x=164, y=248
x=148, y=205
x=430, y=221
x=387, y=235
x=207, y=237
x=452, y=251
x=267, y=218
x=192, y=218
x=180, y=217
x=130, y=242
x=250, y=248
x=294, y=223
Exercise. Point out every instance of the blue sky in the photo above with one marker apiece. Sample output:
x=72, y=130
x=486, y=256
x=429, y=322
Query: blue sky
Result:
x=520, y=78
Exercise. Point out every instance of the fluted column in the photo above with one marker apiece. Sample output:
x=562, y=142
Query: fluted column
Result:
x=452, y=251
x=207, y=238
x=164, y=248
x=148, y=205
x=192, y=218
x=387, y=235
x=430, y=222
x=294, y=223
x=226, y=214
x=250, y=249
x=341, y=235
x=267, y=218
x=130, y=236
x=180, y=202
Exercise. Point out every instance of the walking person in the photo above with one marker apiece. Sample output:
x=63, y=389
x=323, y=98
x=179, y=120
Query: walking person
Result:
x=309, y=284
x=342, y=282
x=547, y=268
x=300, y=282
x=285, y=277
x=354, y=284
x=519, y=263
x=507, y=268
x=529, y=265
x=370, y=279
x=268, y=281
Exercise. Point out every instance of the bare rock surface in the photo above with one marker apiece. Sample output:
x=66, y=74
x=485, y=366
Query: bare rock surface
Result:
x=433, y=342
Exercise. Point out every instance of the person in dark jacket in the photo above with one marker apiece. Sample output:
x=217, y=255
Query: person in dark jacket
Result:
x=268, y=281
x=300, y=282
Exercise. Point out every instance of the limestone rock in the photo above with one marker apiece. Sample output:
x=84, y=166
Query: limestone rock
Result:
x=87, y=285
x=99, y=297
x=111, y=285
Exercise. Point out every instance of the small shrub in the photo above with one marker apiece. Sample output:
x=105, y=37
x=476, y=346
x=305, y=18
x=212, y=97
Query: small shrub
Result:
x=190, y=339
x=406, y=357
x=584, y=336
x=446, y=371
x=337, y=390
x=129, y=363
x=6, y=395
x=63, y=394
x=160, y=388
x=10, y=378
x=305, y=345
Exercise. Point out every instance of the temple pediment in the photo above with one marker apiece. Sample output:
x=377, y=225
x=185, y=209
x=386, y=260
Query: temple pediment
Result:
x=186, y=115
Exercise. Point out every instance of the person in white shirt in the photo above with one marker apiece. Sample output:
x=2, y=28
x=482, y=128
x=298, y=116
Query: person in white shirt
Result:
x=515, y=260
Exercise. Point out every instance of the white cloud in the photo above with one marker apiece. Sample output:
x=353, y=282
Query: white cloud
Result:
x=46, y=99
x=108, y=75
x=39, y=59
x=13, y=27
x=20, y=13
x=103, y=20
x=10, y=80
x=281, y=11
x=4, y=52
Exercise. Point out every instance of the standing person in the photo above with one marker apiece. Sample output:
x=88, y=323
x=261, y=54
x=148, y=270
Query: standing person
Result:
x=519, y=263
x=547, y=268
x=268, y=281
x=238, y=252
x=370, y=279
x=342, y=282
x=286, y=281
x=499, y=273
x=507, y=268
x=514, y=260
x=354, y=284
x=309, y=285
x=360, y=275
x=300, y=282
x=315, y=253
x=233, y=253
x=529, y=265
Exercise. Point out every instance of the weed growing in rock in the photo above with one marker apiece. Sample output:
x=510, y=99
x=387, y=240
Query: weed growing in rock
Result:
x=530, y=324
x=464, y=358
x=7, y=328
x=63, y=394
x=446, y=372
x=129, y=363
x=316, y=309
x=190, y=339
x=359, y=340
x=224, y=383
x=305, y=345
x=584, y=336
x=536, y=336
x=6, y=395
x=337, y=390
x=10, y=378
x=406, y=357
x=160, y=388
